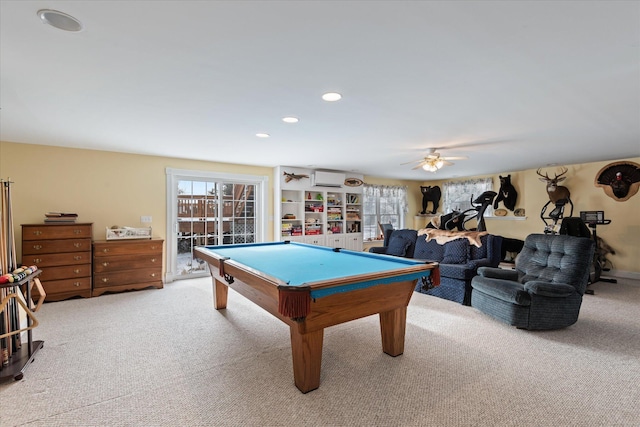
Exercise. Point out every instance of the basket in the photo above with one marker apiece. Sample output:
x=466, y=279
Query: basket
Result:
x=128, y=233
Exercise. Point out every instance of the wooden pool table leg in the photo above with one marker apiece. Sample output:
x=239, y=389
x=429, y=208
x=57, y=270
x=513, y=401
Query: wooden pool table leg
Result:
x=392, y=327
x=220, y=292
x=306, y=350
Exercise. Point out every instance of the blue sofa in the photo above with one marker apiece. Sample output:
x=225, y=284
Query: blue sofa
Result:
x=459, y=259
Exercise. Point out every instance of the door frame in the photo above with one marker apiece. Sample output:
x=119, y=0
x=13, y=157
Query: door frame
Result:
x=174, y=175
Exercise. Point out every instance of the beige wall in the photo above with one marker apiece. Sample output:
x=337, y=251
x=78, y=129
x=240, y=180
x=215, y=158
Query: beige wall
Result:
x=623, y=234
x=104, y=188
x=108, y=189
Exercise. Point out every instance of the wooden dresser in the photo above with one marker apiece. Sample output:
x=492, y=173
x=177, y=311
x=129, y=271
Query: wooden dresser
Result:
x=63, y=252
x=122, y=265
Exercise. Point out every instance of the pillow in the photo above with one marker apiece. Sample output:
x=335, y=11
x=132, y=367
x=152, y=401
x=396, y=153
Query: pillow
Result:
x=456, y=252
x=398, y=246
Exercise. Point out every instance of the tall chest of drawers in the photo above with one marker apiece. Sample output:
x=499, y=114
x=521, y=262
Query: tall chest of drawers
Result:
x=122, y=265
x=63, y=252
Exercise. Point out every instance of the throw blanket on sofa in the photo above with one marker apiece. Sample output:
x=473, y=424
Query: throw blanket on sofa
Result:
x=444, y=236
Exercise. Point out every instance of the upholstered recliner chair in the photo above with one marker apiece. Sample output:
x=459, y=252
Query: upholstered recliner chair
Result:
x=545, y=290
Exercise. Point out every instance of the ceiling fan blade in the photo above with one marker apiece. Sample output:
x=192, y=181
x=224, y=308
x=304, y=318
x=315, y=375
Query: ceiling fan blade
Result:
x=454, y=158
x=446, y=162
x=412, y=161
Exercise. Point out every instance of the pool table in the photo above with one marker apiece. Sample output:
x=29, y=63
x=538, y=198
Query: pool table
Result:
x=313, y=287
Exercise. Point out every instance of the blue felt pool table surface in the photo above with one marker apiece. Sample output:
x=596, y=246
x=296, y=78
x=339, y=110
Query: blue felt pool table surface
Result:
x=298, y=264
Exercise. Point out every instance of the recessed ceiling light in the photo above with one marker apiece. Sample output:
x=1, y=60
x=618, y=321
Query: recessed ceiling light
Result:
x=59, y=20
x=331, y=96
x=262, y=135
x=290, y=119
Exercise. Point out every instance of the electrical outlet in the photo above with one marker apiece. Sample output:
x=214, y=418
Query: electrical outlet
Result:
x=145, y=219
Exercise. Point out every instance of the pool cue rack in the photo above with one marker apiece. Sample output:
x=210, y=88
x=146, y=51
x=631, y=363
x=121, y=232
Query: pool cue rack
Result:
x=19, y=355
x=15, y=356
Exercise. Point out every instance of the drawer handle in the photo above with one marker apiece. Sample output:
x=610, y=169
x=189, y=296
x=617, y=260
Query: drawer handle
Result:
x=105, y=279
x=154, y=247
x=76, y=284
x=77, y=245
x=105, y=250
x=77, y=257
x=37, y=232
x=77, y=271
x=153, y=274
x=105, y=264
x=37, y=260
x=37, y=247
x=77, y=231
x=153, y=260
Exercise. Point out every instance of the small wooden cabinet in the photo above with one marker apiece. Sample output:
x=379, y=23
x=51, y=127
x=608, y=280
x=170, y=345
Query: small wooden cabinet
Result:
x=63, y=252
x=123, y=265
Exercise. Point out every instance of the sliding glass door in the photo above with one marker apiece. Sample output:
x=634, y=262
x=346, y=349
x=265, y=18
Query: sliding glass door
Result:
x=210, y=209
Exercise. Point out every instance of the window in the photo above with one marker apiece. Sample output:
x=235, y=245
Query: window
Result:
x=383, y=205
x=457, y=196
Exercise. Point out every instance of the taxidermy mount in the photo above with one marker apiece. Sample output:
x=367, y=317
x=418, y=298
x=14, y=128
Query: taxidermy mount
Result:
x=507, y=193
x=430, y=194
x=619, y=180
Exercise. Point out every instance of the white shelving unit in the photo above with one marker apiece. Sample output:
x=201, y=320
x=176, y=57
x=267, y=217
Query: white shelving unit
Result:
x=317, y=215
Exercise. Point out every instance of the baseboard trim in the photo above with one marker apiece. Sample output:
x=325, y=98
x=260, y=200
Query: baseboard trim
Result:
x=622, y=274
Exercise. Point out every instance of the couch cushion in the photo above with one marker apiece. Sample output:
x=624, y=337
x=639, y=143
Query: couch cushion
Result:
x=479, y=252
x=458, y=271
x=398, y=246
x=505, y=290
x=456, y=252
x=430, y=250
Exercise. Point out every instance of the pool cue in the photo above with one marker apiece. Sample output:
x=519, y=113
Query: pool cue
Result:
x=4, y=327
x=12, y=317
x=16, y=339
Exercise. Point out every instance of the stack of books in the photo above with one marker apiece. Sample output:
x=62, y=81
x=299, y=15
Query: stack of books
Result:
x=60, y=217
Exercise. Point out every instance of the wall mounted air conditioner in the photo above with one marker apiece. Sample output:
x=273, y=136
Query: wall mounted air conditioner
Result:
x=327, y=179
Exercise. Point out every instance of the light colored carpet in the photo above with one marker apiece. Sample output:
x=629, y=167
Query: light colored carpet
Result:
x=166, y=357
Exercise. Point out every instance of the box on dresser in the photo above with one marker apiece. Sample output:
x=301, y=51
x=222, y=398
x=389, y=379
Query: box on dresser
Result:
x=63, y=252
x=123, y=265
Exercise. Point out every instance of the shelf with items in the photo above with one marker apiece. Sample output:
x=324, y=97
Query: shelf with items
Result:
x=353, y=214
x=334, y=199
x=314, y=209
x=334, y=227
x=291, y=228
x=315, y=214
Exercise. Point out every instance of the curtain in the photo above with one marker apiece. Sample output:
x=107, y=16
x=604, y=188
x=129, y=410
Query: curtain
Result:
x=383, y=204
x=458, y=195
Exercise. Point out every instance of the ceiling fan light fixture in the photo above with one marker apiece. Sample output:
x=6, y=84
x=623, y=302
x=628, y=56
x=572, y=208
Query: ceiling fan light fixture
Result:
x=59, y=20
x=432, y=165
x=429, y=167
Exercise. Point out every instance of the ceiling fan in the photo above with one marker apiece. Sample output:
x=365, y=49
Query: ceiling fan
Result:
x=434, y=161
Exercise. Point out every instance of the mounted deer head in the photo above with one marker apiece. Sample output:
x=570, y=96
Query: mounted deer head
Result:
x=556, y=192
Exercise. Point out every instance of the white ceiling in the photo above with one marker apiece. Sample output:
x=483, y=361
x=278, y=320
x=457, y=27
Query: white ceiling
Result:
x=512, y=85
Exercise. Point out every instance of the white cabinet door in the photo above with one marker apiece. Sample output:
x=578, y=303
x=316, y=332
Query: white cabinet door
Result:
x=315, y=240
x=353, y=241
x=335, y=241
